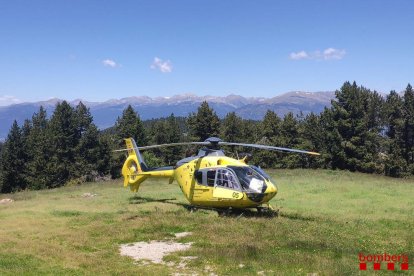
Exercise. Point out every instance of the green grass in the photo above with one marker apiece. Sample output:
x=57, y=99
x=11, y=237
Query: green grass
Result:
x=327, y=218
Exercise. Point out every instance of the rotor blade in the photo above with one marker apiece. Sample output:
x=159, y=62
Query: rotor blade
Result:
x=168, y=145
x=267, y=147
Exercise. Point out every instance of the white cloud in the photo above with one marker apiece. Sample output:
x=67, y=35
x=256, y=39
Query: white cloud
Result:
x=332, y=53
x=299, y=55
x=110, y=63
x=327, y=54
x=163, y=66
x=8, y=100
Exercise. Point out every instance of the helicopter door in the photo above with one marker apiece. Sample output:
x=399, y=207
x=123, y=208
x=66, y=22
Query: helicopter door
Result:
x=226, y=185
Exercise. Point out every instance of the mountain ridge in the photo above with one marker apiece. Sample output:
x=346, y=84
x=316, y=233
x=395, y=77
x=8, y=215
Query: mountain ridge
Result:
x=105, y=113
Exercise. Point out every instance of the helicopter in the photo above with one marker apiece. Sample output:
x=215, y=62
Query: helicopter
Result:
x=210, y=179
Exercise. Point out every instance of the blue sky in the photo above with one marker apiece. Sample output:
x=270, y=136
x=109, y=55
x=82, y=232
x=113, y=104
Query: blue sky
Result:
x=97, y=50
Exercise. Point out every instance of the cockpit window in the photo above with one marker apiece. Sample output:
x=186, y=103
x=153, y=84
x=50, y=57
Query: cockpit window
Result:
x=217, y=177
x=199, y=177
x=226, y=179
x=262, y=173
x=250, y=179
x=211, y=177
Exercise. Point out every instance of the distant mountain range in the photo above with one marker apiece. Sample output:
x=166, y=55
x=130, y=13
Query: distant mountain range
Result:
x=106, y=113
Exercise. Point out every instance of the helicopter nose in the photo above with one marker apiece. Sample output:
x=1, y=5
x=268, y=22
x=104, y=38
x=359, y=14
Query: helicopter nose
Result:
x=271, y=188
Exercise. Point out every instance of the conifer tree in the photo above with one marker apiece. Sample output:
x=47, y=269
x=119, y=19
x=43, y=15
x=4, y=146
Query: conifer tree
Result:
x=87, y=148
x=13, y=162
x=395, y=164
x=289, y=138
x=26, y=130
x=173, y=129
x=205, y=123
x=62, y=132
x=38, y=150
x=173, y=154
x=313, y=134
x=103, y=163
x=355, y=135
x=289, y=131
x=409, y=127
x=270, y=126
x=269, y=135
x=83, y=119
x=251, y=131
x=130, y=125
x=159, y=133
x=232, y=128
x=159, y=136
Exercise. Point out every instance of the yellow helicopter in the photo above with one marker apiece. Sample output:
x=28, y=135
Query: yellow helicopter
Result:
x=210, y=179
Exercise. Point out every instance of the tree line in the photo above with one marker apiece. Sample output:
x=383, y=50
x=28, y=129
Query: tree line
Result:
x=361, y=131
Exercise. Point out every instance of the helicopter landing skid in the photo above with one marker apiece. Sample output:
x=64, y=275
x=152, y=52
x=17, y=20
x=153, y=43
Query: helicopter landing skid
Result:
x=267, y=211
x=262, y=211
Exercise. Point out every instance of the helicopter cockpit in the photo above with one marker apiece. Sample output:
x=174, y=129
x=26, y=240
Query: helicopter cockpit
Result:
x=247, y=179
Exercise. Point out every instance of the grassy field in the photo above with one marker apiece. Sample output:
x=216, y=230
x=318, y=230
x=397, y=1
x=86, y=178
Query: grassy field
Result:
x=327, y=218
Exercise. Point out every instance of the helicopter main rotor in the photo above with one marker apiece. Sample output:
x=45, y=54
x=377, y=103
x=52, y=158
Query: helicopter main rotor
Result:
x=214, y=143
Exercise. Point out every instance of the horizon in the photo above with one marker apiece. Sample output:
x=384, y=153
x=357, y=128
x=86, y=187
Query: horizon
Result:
x=99, y=51
x=159, y=97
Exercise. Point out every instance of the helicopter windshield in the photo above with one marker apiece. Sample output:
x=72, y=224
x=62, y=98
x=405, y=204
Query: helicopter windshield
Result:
x=250, y=179
x=262, y=173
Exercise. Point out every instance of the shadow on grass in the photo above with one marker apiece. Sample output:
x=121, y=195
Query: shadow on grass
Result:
x=222, y=212
x=296, y=216
x=142, y=200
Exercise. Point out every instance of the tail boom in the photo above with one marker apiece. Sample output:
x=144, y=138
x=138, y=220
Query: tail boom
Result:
x=135, y=171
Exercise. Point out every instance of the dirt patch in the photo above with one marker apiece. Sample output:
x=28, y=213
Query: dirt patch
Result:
x=153, y=251
x=146, y=253
x=88, y=195
x=6, y=201
x=182, y=234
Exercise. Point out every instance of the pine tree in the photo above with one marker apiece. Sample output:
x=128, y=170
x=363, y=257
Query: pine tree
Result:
x=205, y=123
x=87, y=149
x=269, y=135
x=159, y=133
x=395, y=164
x=26, y=130
x=83, y=119
x=62, y=132
x=289, y=138
x=270, y=126
x=105, y=156
x=313, y=136
x=173, y=129
x=38, y=150
x=130, y=125
x=232, y=128
x=251, y=131
x=408, y=135
x=354, y=137
x=173, y=154
x=13, y=162
x=159, y=136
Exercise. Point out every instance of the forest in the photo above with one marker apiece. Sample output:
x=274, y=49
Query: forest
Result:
x=362, y=131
